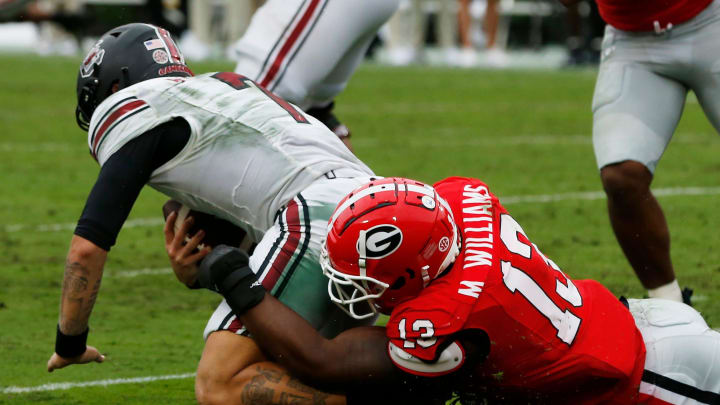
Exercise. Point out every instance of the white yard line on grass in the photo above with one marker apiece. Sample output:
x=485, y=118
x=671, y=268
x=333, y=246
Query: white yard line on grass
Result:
x=529, y=139
x=133, y=223
x=537, y=199
x=599, y=195
x=102, y=383
x=139, y=272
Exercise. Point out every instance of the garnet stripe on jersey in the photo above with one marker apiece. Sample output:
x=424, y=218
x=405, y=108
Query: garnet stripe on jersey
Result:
x=226, y=320
x=170, y=44
x=292, y=222
x=115, y=125
x=125, y=109
x=678, y=387
x=110, y=110
x=278, y=42
x=276, y=245
x=297, y=49
x=303, y=248
x=294, y=35
x=234, y=326
x=278, y=265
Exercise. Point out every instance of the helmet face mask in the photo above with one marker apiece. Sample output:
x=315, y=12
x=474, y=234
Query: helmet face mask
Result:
x=387, y=241
x=348, y=291
x=124, y=56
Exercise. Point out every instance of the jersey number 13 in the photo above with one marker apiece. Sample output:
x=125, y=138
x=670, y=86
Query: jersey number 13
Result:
x=565, y=322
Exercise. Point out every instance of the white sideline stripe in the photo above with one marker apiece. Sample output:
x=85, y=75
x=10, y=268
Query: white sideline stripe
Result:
x=539, y=198
x=528, y=139
x=37, y=147
x=599, y=195
x=133, y=223
x=140, y=272
x=443, y=139
x=102, y=383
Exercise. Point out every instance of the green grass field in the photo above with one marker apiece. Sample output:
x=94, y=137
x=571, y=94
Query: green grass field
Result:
x=526, y=133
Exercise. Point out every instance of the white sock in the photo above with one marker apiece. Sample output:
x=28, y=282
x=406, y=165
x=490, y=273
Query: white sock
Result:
x=670, y=291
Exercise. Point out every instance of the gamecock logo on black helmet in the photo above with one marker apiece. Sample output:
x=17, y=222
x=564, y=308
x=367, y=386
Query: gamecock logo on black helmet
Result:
x=380, y=241
x=94, y=57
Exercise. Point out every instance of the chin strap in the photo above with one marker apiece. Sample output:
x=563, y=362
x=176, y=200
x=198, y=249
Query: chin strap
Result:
x=124, y=78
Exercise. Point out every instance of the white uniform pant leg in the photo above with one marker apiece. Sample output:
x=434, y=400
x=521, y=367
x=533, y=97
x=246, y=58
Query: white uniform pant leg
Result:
x=705, y=78
x=304, y=48
x=643, y=82
x=635, y=108
x=200, y=16
x=683, y=354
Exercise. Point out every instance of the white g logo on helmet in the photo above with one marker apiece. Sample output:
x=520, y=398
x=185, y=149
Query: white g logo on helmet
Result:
x=379, y=241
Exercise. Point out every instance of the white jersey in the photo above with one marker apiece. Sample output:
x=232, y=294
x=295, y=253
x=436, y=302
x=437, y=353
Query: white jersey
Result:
x=249, y=152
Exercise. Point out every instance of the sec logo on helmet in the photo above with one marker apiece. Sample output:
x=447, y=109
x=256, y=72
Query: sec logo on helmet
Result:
x=379, y=241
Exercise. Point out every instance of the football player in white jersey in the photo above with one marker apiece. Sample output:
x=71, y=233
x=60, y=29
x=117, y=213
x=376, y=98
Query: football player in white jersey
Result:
x=306, y=50
x=221, y=144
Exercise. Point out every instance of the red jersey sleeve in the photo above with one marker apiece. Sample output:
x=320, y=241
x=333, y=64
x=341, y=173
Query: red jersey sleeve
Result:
x=421, y=338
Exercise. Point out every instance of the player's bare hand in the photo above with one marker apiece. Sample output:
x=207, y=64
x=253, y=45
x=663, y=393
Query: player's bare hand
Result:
x=91, y=355
x=183, y=255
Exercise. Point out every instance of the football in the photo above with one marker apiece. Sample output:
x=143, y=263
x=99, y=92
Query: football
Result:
x=217, y=231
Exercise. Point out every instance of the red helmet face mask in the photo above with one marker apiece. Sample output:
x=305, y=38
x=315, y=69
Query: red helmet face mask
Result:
x=386, y=241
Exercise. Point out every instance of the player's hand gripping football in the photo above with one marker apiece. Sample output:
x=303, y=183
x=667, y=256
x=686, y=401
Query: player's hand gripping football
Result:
x=91, y=354
x=184, y=255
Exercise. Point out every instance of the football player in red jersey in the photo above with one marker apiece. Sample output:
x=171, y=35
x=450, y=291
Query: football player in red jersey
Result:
x=473, y=304
x=653, y=52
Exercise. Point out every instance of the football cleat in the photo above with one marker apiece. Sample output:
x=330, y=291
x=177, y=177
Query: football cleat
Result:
x=686, y=295
x=326, y=116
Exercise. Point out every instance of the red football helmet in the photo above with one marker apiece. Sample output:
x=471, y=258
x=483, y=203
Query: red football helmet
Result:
x=386, y=241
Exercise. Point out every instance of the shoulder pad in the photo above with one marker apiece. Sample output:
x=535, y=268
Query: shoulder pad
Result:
x=119, y=119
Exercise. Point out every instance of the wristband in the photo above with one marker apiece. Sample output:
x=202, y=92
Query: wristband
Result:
x=245, y=295
x=69, y=346
x=226, y=270
x=219, y=264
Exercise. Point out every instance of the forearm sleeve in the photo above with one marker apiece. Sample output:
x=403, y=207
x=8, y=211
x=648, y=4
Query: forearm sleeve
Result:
x=122, y=178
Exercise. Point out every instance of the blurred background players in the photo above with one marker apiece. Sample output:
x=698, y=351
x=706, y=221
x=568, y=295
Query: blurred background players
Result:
x=306, y=51
x=652, y=54
x=407, y=30
x=495, y=54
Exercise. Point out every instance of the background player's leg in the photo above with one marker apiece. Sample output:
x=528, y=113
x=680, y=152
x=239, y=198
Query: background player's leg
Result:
x=635, y=112
x=705, y=78
x=352, y=25
x=638, y=222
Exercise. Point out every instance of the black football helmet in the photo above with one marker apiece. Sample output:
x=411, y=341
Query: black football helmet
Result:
x=124, y=56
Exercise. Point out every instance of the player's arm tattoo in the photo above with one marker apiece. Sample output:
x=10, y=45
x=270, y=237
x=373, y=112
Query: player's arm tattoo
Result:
x=274, y=387
x=78, y=296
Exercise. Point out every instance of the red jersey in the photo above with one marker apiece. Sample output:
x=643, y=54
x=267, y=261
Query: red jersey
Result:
x=642, y=15
x=548, y=334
